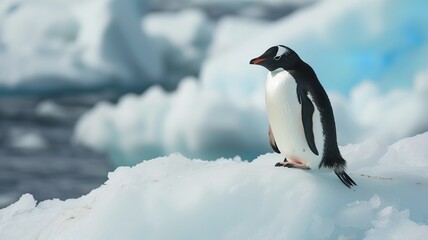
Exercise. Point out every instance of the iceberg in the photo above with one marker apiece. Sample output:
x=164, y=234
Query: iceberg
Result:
x=25, y=141
x=181, y=39
x=175, y=197
x=377, y=90
x=345, y=43
x=49, y=46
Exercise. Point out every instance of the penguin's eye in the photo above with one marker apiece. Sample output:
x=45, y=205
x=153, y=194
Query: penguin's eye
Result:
x=277, y=57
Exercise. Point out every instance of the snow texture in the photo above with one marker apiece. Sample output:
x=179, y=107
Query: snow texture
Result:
x=374, y=49
x=51, y=46
x=177, y=198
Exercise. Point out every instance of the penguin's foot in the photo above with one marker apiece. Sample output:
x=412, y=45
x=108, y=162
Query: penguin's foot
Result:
x=292, y=165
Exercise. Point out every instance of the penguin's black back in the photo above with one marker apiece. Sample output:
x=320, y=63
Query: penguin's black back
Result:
x=307, y=80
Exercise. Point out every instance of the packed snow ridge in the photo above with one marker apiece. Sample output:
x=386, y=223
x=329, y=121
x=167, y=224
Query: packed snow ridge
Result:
x=178, y=198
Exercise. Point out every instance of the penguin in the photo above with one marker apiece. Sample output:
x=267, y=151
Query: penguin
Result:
x=301, y=120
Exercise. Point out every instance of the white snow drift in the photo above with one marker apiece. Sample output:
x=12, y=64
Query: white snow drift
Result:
x=177, y=198
x=224, y=115
x=386, y=116
x=192, y=121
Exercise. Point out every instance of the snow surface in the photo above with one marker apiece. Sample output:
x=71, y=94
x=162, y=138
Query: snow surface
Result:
x=48, y=46
x=178, y=198
x=377, y=47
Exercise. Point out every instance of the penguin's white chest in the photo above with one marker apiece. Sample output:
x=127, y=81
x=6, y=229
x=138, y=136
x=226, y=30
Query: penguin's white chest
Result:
x=285, y=119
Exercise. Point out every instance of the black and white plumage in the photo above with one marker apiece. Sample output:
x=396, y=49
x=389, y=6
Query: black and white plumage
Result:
x=301, y=119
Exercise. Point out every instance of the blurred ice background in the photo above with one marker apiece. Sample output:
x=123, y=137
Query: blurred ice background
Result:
x=87, y=85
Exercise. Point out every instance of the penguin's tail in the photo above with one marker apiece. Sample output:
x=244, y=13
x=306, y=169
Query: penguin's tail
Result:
x=338, y=164
x=345, y=178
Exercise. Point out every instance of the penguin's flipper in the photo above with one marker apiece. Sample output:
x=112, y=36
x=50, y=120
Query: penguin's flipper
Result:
x=307, y=113
x=272, y=141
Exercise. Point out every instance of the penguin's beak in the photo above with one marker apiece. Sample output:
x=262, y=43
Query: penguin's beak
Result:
x=257, y=60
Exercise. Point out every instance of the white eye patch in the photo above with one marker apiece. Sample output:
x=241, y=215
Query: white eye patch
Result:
x=281, y=50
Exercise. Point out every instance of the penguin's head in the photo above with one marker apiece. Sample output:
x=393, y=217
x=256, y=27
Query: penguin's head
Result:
x=277, y=57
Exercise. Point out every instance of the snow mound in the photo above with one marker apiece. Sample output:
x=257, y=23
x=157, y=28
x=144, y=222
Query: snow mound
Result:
x=177, y=198
x=385, y=116
x=48, y=46
x=192, y=121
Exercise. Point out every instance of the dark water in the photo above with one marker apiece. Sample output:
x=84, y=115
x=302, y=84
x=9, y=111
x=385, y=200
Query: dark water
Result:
x=52, y=167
